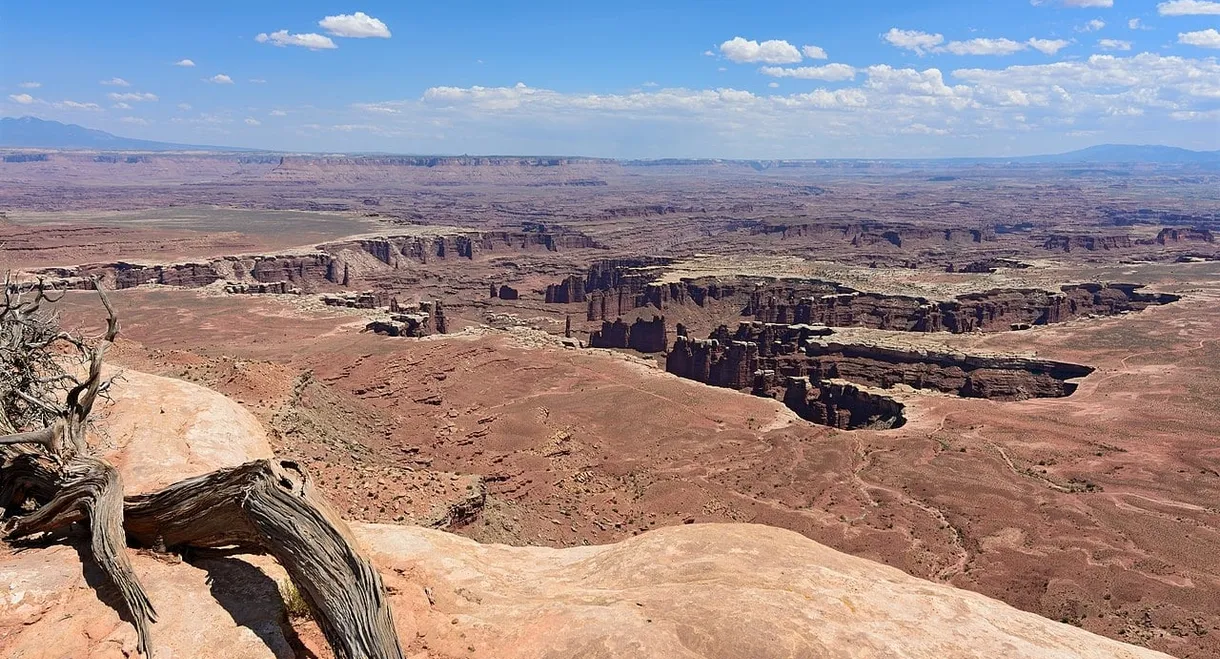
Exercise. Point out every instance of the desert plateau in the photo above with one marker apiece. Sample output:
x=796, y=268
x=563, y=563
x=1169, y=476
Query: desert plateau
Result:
x=355, y=403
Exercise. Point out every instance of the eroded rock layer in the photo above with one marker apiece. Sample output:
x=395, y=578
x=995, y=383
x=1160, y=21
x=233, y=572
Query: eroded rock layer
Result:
x=615, y=288
x=796, y=364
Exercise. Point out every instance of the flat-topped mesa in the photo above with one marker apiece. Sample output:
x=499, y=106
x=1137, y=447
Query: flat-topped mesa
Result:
x=986, y=266
x=1178, y=235
x=406, y=250
x=642, y=335
x=867, y=234
x=299, y=270
x=418, y=320
x=1088, y=242
x=993, y=310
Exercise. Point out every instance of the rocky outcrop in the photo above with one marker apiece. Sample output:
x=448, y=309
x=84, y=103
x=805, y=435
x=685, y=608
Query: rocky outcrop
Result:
x=1177, y=236
x=423, y=319
x=839, y=405
x=986, y=266
x=642, y=335
x=1091, y=243
x=122, y=275
x=794, y=363
x=256, y=288
x=568, y=291
x=363, y=300
x=730, y=364
x=506, y=292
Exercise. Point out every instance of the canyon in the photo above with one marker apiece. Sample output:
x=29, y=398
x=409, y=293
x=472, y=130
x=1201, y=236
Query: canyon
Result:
x=993, y=377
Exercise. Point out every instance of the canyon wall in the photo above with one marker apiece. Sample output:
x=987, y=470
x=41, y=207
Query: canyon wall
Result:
x=615, y=291
x=642, y=335
x=797, y=364
x=994, y=310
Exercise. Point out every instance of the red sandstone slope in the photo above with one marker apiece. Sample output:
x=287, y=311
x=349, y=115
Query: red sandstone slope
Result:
x=697, y=592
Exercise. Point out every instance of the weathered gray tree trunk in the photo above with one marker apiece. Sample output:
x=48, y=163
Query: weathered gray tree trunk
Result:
x=267, y=506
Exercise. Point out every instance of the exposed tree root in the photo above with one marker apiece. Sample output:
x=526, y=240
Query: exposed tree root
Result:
x=266, y=506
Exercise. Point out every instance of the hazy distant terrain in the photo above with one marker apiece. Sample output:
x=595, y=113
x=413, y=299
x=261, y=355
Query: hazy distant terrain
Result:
x=30, y=132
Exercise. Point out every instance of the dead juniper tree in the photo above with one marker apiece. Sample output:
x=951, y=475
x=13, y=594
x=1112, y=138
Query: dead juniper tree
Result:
x=49, y=478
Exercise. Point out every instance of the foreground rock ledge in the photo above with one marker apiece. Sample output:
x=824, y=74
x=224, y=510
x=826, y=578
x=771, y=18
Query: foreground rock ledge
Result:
x=708, y=591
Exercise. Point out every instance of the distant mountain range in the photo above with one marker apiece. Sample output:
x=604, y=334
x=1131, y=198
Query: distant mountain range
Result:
x=1130, y=153
x=31, y=132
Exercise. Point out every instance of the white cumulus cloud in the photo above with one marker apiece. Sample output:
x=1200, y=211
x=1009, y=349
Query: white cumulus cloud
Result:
x=774, y=51
x=1114, y=44
x=308, y=40
x=73, y=105
x=121, y=106
x=30, y=85
x=24, y=99
x=278, y=113
x=134, y=120
x=1049, y=46
x=813, y=52
x=1092, y=26
x=1209, y=38
x=184, y=106
x=985, y=47
x=358, y=26
x=251, y=121
x=185, y=62
x=829, y=72
x=221, y=79
x=116, y=82
x=131, y=96
x=913, y=40
x=1189, y=8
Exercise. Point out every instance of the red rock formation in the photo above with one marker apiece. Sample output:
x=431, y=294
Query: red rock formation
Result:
x=424, y=319
x=1170, y=235
x=642, y=335
x=994, y=310
x=866, y=234
x=402, y=251
x=770, y=360
x=567, y=291
x=128, y=275
x=1070, y=242
x=255, y=288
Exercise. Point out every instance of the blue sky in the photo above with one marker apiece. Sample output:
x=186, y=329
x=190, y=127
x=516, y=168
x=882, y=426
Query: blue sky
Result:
x=710, y=78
